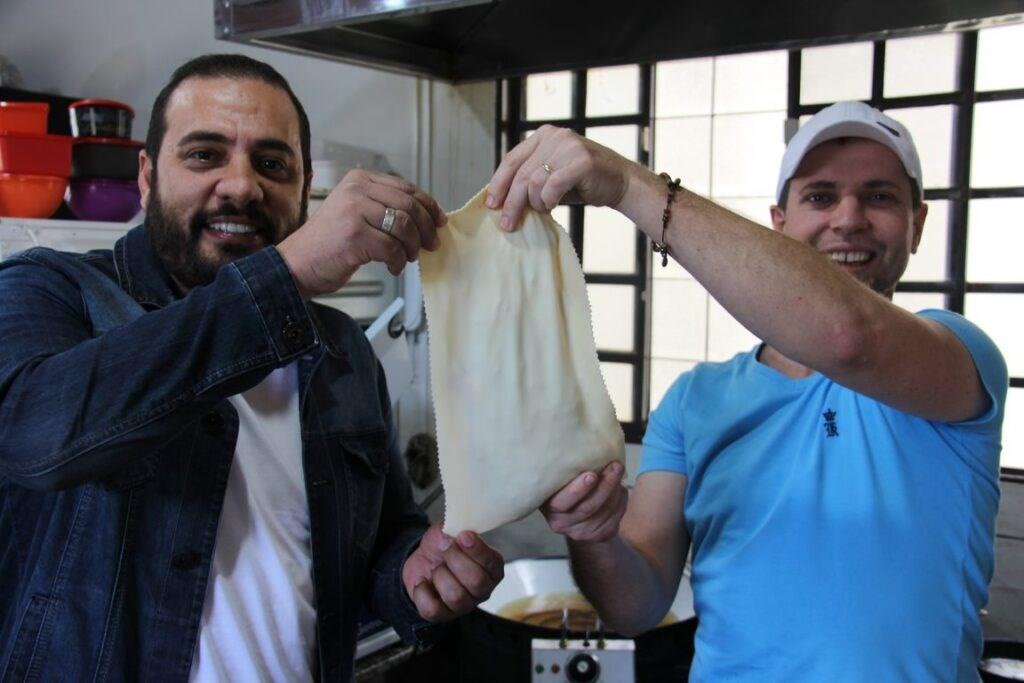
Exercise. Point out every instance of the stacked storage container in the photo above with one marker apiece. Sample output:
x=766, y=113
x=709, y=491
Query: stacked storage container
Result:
x=34, y=166
x=104, y=161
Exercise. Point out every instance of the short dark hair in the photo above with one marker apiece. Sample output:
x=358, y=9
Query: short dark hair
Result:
x=223, y=66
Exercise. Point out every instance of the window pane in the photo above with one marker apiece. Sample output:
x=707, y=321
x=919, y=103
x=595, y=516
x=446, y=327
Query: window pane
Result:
x=726, y=337
x=835, y=72
x=746, y=150
x=932, y=130
x=561, y=216
x=905, y=60
x=1013, y=430
x=679, y=320
x=683, y=87
x=918, y=301
x=611, y=308
x=618, y=378
x=998, y=144
x=613, y=90
x=609, y=243
x=1000, y=315
x=752, y=82
x=995, y=240
x=752, y=208
x=1000, y=54
x=622, y=139
x=929, y=263
x=663, y=374
x=549, y=96
x=682, y=148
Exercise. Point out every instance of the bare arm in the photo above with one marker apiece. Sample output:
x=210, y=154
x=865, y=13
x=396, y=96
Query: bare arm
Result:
x=627, y=558
x=782, y=290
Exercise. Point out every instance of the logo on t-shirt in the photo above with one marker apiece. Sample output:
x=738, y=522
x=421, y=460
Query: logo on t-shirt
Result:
x=831, y=428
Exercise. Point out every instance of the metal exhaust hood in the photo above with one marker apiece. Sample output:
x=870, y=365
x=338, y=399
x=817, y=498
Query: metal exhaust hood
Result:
x=465, y=40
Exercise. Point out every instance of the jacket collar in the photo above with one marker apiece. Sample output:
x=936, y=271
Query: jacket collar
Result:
x=141, y=273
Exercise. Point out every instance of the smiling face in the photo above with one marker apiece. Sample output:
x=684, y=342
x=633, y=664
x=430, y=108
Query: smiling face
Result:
x=851, y=199
x=228, y=180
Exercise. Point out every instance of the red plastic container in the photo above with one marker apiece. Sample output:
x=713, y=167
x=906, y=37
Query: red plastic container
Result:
x=48, y=155
x=101, y=119
x=30, y=196
x=24, y=117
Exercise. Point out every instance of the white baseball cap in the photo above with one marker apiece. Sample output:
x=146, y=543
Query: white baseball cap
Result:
x=849, y=120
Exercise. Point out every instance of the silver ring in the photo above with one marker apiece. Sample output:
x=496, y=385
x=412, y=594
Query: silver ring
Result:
x=547, y=168
x=389, y=220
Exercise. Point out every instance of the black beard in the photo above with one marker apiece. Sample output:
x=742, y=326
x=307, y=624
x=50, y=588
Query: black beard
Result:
x=177, y=245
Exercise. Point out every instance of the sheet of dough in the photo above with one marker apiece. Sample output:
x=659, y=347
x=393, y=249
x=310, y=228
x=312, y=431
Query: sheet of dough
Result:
x=520, y=402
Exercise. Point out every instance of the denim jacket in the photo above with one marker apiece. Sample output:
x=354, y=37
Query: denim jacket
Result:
x=116, y=438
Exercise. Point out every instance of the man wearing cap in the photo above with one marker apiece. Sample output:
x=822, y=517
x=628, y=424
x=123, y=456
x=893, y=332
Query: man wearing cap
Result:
x=838, y=483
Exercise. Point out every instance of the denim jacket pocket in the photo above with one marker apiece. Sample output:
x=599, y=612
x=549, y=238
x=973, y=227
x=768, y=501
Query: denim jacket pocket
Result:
x=366, y=468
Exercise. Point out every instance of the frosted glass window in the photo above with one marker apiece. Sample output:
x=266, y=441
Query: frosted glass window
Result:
x=835, y=72
x=1000, y=315
x=753, y=82
x=932, y=130
x=613, y=90
x=618, y=378
x=752, y=208
x=609, y=244
x=921, y=65
x=561, y=216
x=549, y=96
x=683, y=87
x=1013, y=430
x=995, y=240
x=1000, y=54
x=929, y=263
x=682, y=148
x=678, y=320
x=663, y=374
x=622, y=139
x=611, y=308
x=746, y=150
x=997, y=149
x=726, y=337
x=918, y=301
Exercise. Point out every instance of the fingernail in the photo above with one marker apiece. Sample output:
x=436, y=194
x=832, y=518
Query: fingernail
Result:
x=466, y=540
x=444, y=217
x=589, y=478
x=492, y=203
x=505, y=223
x=446, y=541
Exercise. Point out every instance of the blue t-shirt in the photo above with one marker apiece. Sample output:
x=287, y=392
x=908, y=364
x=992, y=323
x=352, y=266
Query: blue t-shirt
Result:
x=834, y=538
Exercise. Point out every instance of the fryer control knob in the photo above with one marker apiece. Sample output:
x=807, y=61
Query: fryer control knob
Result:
x=583, y=669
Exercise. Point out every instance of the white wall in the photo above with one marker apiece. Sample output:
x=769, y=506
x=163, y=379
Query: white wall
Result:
x=126, y=50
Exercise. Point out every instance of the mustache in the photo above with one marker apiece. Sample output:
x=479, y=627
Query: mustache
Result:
x=259, y=220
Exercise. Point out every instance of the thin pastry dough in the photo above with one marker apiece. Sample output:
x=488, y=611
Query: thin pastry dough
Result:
x=520, y=402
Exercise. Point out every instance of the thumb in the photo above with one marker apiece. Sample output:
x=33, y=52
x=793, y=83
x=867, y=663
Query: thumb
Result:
x=434, y=543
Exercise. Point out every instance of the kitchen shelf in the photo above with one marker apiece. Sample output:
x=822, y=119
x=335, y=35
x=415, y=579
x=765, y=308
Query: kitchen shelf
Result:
x=18, y=234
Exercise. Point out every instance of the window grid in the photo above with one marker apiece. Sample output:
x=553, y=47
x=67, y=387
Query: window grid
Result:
x=954, y=287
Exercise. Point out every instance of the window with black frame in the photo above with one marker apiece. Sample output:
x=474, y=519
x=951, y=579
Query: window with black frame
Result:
x=718, y=123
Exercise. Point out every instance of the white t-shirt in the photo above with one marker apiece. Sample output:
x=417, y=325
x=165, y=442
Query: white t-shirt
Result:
x=259, y=617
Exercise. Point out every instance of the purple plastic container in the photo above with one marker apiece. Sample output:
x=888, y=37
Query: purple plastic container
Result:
x=103, y=199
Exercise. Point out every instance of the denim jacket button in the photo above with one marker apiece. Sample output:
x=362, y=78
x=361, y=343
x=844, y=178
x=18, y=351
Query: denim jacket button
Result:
x=213, y=423
x=186, y=560
x=293, y=333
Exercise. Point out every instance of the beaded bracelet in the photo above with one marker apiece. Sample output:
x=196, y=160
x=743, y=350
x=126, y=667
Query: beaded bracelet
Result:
x=662, y=246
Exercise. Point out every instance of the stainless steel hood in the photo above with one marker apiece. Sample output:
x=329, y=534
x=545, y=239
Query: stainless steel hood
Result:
x=460, y=40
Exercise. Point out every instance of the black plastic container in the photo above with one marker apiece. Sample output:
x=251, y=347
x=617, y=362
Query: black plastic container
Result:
x=101, y=119
x=112, y=158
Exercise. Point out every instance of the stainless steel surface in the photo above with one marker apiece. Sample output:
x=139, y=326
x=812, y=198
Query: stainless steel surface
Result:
x=459, y=40
x=378, y=641
x=553, y=660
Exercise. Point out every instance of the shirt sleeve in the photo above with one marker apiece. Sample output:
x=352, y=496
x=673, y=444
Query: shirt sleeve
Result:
x=664, y=448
